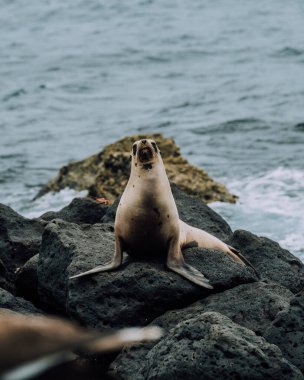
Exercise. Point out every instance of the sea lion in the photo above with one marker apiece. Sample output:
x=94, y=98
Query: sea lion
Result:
x=147, y=220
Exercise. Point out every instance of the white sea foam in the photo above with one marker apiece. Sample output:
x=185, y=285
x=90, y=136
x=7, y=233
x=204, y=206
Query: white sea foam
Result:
x=52, y=202
x=270, y=205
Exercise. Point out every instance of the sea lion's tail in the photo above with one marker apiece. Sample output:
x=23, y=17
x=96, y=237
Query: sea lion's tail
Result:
x=100, y=268
x=243, y=258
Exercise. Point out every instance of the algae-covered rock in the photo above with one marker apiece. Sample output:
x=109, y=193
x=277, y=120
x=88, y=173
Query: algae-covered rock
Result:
x=106, y=173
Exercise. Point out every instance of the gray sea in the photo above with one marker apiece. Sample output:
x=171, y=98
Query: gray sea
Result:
x=224, y=78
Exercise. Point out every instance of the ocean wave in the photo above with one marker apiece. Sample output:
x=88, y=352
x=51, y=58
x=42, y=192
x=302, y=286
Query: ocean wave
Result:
x=278, y=191
x=289, y=52
x=52, y=202
x=270, y=205
x=230, y=126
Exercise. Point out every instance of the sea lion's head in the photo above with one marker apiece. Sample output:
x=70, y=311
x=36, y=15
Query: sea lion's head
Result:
x=145, y=153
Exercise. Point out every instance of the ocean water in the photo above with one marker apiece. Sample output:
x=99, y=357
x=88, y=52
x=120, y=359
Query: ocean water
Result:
x=225, y=79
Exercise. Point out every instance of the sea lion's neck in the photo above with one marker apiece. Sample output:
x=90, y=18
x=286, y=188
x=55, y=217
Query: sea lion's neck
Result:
x=149, y=175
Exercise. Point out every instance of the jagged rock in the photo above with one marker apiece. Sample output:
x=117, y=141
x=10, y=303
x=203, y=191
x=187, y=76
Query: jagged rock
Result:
x=136, y=293
x=287, y=331
x=198, y=214
x=106, y=173
x=211, y=346
x=27, y=281
x=80, y=210
x=271, y=261
x=4, y=278
x=253, y=306
x=20, y=239
x=8, y=301
x=67, y=244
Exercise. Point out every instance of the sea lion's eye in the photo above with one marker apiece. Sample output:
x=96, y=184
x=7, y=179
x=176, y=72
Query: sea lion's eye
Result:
x=154, y=147
x=134, y=149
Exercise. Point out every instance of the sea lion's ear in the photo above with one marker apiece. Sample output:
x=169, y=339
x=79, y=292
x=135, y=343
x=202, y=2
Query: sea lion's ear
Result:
x=130, y=157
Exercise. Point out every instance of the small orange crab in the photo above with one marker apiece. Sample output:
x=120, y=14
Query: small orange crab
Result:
x=103, y=201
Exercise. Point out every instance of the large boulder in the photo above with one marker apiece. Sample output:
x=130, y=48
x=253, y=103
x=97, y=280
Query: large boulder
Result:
x=211, y=346
x=80, y=210
x=106, y=173
x=136, y=293
x=20, y=239
x=271, y=261
x=287, y=331
x=253, y=306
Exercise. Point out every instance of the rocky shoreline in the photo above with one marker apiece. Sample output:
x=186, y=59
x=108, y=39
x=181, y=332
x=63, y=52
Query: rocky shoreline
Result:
x=106, y=173
x=245, y=328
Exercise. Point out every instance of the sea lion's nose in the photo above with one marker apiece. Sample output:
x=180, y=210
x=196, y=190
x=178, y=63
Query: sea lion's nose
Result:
x=144, y=141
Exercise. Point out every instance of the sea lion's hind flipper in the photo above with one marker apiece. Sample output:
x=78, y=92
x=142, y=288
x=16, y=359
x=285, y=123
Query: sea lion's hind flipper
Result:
x=243, y=258
x=190, y=273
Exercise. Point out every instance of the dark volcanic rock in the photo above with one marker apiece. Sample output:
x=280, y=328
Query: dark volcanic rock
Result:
x=20, y=238
x=66, y=249
x=253, y=306
x=80, y=210
x=8, y=301
x=192, y=211
x=134, y=294
x=211, y=346
x=287, y=331
x=4, y=278
x=196, y=213
x=27, y=281
x=271, y=261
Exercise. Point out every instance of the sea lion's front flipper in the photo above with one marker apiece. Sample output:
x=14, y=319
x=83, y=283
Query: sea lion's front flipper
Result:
x=115, y=263
x=176, y=262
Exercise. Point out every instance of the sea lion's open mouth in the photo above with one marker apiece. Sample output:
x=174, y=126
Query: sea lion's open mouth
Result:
x=145, y=154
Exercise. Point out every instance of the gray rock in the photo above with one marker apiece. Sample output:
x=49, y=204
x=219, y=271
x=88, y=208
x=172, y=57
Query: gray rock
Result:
x=271, y=261
x=20, y=238
x=27, y=281
x=211, y=346
x=66, y=249
x=192, y=211
x=8, y=301
x=253, y=306
x=4, y=278
x=134, y=294
x=287, y=331
x=196, y=213
x=80, y=210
